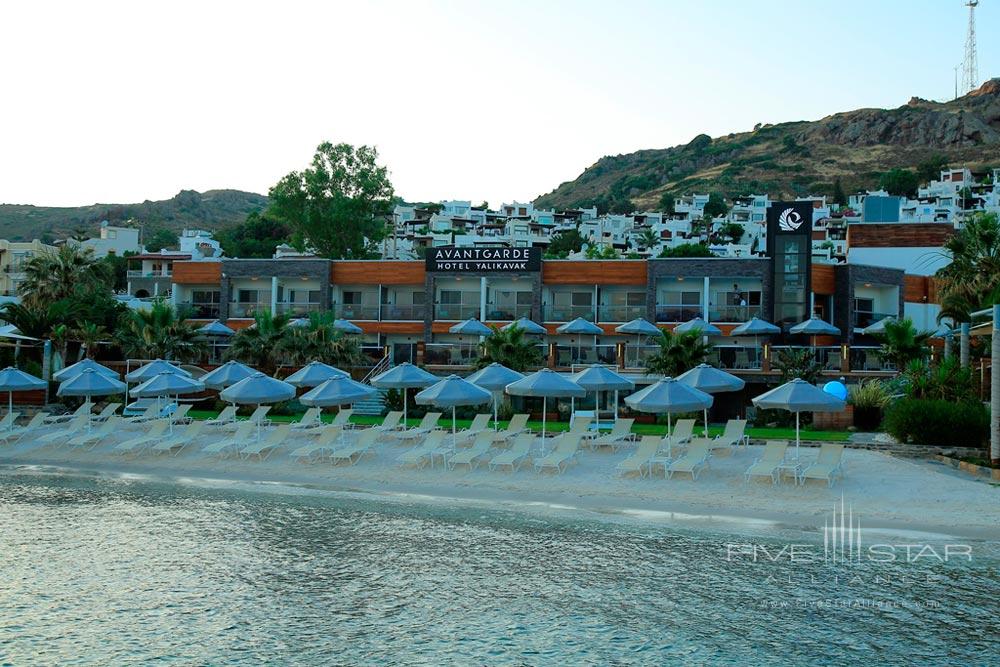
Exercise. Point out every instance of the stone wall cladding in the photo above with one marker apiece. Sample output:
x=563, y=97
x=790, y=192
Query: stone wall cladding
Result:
x=847, y=276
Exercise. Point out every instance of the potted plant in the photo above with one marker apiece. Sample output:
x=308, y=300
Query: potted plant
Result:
x=868, y=398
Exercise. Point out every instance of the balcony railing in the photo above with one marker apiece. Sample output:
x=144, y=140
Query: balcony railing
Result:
x=863, y=319
x=297, y=309
x=450, y=354
x=608, y=313
x=139, y=273
x=864, y=358
x=406, y=312
x=201, y=311
x=826, y=356
x=353, y=311
x=247, y=308
x=636, y=355
x=568, y=355
x=567, y=313
x=737, y=357
x=507, y=312
x=733, y=313
x=678, y=313
x=454, y=311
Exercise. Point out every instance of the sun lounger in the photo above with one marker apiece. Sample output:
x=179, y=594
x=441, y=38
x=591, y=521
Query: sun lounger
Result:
x=480, y=424
x=518, y=424
x=257, y=418
x=106, y=413
x=7, y=423
x=311, y=419
x=580, y=423
x=263, y=447
x=176, y=443
x=390, y=423
x=769, y=463
x=84, y=409
x=640, y=460
x=733, y=436
x=829, y=464
x=77, y=425
x=343, y=419
x=472, y=456
x=423, y=453
x=516, y=455
x=95, y=436
x=36, y=423
x=683, y=430
x=425, y=427
x=352, y=453
x=232, y=443
x=562, y=454
x=154, y=434
x=179, y=416
x=620, y=433
x=152, y=412
x=227, y=416
x=326, y=440
x=695, y=459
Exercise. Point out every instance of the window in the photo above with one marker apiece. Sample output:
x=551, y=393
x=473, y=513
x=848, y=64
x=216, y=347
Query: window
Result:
x=247, y=296
x=314, y=296
x=582, y=298
x=419, y=298
x=862, y=305
x=352, y=298
x=692, y=298
x=205, y=296
x=450, y=297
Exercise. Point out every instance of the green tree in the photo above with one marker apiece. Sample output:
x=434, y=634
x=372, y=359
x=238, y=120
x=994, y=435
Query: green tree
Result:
x=931, y=168
x=257, y=345
x=255, y=238
x=69, y=272
x=971, y=280
x=161, y=238
x=622, y=206
x=601, y=252
x=340, y=203
x=117, y=269
x=839, y=197
x=90, y=336
x=318, y=340
x=900, y=182
x=666, y=203
x=800, y=363
x=159, y=333
x=687, y=250
x=678, y=352
x=563, y=243
x=38, y=320
x=648, y=239
x=902, y=343
x=511, y=348
x=732, y=231
x=716, y=206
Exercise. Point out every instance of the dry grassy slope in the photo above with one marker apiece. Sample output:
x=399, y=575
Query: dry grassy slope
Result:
x=801, y=157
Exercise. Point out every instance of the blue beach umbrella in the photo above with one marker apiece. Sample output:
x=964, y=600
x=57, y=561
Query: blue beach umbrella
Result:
x=527, y=326
x=494, y=378
x=404, y=376
x=580, y=327
x=756, y=327
x=470, y=327
x=799, y=396
x=81, y=366
x=639, y=327
x=314, y=374
x=597, y=378
x=258, y=389
x=167, y=384
x=154, y=368
x=545, y=384
x=710, y=380
x=226, y=375
x=347, y=327
x=339, y=390
x=11, y=380
x=699, y=326
x=669, y=396
x=452, y=392
x=216, y=328
x=91, y=383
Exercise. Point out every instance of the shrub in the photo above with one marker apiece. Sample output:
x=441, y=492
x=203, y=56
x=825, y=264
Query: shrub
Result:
x=869, y=397
x=937, y=422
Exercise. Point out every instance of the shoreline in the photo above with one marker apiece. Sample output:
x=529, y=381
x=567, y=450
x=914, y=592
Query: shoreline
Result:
x=676, y=502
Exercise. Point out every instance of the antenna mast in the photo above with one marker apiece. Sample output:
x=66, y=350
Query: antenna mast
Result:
x=970, y=67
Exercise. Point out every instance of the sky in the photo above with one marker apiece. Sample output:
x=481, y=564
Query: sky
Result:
x=118, y=102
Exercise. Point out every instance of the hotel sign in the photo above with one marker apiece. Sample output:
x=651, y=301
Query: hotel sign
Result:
x=484, y=260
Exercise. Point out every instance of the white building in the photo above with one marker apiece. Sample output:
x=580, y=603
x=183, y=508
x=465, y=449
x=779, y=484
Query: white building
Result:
x=112, y=240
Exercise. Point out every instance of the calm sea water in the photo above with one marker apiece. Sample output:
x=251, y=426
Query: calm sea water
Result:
x=101, y=570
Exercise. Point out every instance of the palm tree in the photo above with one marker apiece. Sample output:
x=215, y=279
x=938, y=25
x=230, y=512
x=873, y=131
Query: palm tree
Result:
x=159, y=333
x=510, y=348
x=902, y=343
x=90, y=335
x=54, y=276
x=648, y=239
x=973, y=276
x=801, y=364
x=257, y=344
x=37, y=320
x=318, y=340
x=678, y=352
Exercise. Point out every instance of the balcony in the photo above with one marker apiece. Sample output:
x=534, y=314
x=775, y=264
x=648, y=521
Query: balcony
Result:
x=403, y=312
x=354, y=311
x=248, y=308
x=454, y=311
x=200, y=311
x=507, y=312
x=450, y=354
x=607, y=313
x=139, y=273
x=678, y=313
x=567, y=313
x=733, y=314
x=571, y=355
x=298, y=309
x=867, y=358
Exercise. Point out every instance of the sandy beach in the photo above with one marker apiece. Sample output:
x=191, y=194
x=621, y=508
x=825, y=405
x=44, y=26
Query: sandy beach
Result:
x=887, y=492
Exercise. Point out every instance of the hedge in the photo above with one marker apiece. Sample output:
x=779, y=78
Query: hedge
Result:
x=935, y=422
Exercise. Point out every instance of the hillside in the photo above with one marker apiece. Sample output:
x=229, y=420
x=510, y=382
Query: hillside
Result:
x=799, y=158
x=209, y=210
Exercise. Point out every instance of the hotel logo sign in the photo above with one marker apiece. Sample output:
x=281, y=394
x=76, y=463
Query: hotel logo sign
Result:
x=484, y=260
x=789, y=220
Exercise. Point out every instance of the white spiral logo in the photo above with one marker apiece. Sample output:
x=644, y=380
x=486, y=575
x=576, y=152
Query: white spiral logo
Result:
x=789, y=220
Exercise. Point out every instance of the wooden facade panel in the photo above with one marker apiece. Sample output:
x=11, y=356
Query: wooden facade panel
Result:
x=823, y=278
x=593, y=272
x=403, y=328
x=920, y=289
x=899, y=235
x=197, y=273
x=378, y=272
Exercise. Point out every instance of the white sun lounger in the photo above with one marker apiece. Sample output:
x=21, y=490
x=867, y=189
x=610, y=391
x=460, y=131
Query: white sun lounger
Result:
x=326, y=440
x=472, y=456
x=179, y=416
x=37, y=422
x=233, y=443
x=425, y=427
x=580, y=424
x=176, y=443
x=157, y=430
x=311, y=419
x=732, y=437
x=829, y=464
x=97, y=435
x=390, y=423
x=151, y=413
x=8, y=420
x=639, y=460
x=353, y=452
x=257, y=418
x=620, y=434
x=84, y=409
x=74, y=428
x=695, y=460
x=227, y=416
x=423, y=454
x=769, y=464
x=106, y=412
x=560, y=457
x=683, y=430
x=517, y=425
x=480, y=424
x=516, y=455
x=343, y=419
x=265, y=446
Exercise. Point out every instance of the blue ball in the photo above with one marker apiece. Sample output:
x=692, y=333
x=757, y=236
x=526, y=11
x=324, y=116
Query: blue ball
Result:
x=837, y=389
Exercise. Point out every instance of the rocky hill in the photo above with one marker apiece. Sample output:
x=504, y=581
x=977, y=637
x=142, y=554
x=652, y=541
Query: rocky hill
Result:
x=209, y=210
x=799, y=158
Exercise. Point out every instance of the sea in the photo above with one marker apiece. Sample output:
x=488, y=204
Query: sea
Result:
x=104, y=569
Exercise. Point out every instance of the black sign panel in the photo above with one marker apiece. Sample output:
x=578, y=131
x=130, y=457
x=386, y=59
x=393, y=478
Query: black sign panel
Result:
x=789, y=244
x=484, y=260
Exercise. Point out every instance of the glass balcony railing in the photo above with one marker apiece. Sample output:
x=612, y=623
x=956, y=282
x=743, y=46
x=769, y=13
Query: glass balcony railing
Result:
x=247, y=308
x=139, y=273
x=507, y=312
x=567, y=313
x=298, y=309
x=737, y=357
x=570, y=355
x=450, y=354
x=678, y=313
x=407, y=312
x=352, y=311
x=457, y=312
x=826, y=356
x=200, y=311
x=607, y=313
x=865, y=358
x=734, y=314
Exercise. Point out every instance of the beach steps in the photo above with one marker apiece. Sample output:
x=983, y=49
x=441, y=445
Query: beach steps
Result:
x=373, y=406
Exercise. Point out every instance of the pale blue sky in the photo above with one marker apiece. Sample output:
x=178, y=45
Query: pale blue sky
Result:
x=123, y=101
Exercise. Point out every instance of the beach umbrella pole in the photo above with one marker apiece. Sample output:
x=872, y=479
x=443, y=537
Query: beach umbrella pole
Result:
x=796, y=436
x=705, y=417
x=453, y=432
x=10, y=407
x=544, y=406
x=670, y=441
x=496, y=425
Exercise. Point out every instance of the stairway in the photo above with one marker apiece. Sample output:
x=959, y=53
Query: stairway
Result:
x=373, y=406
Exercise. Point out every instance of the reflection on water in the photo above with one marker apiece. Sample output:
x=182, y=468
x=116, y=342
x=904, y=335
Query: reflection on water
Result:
x=107, y=571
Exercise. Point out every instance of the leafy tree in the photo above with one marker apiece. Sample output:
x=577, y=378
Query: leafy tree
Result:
x=716, y=206
x=511, y=348
x=678, y=352
x=931, y=168
x=257, y=237
x=687, y=250
x=622, y=206
x=800, y=363
x=66, y=273
x=90, y=336
x=256, y=345
x=317, y=340
x=902, y=343
x=601, y=252
x=159, y=333
x=339, y=203
x=648, y=239
x=161, y=238
x=945, y=381
x=38, y=320
x=900, y=182
x=666, y=203
x=563, y=243
x=117, y=268
x=732, y=231
x=839, y=197
x=971, y=280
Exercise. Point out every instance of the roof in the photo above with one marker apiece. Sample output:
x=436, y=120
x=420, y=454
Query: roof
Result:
x=156, y=255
